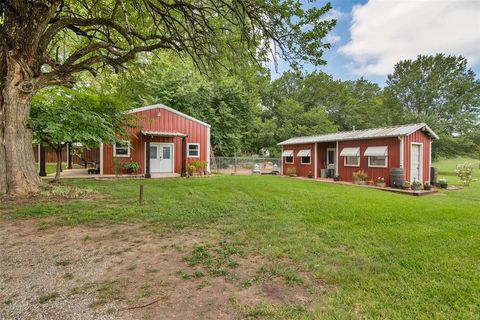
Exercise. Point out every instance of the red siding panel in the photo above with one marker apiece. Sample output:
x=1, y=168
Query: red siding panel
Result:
x=159, y=119
x=302, y=169
x=393, y=145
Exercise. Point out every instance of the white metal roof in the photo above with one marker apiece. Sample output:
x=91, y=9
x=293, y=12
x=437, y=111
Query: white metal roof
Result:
x=162, y=106
x=163, y=134
x=397, y=131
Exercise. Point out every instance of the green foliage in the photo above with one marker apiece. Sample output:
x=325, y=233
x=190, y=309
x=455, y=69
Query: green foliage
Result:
x=198, y=165
x=465, y=173
x=442, y=92
x=298, y=105
x=63, y=115
x=291, y=171
x=359, y=175
x=229, y=103
x=131, y=166
x=416, y=185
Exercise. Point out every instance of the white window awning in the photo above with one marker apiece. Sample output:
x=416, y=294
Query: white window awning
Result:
x=350, y=152
x=376, y=151
x=304, y=153
x=287, y=153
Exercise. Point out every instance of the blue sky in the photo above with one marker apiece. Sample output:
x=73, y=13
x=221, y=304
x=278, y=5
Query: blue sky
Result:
x=372, y=35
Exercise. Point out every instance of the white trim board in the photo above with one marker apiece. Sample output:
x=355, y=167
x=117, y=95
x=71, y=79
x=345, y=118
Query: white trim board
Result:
x=421, y=155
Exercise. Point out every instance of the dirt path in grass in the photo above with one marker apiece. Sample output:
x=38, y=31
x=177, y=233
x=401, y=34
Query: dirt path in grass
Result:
x=133, y=272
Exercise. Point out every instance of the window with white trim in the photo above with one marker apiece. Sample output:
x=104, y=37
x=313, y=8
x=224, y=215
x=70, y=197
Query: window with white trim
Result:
x=288, y=155
x=351, y=161
x=377, y=156
x=305, y=160
x=193, y=150
x=377, y=161
x=121, y=149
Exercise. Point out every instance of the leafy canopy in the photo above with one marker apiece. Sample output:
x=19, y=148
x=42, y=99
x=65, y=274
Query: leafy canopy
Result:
x=63, y=115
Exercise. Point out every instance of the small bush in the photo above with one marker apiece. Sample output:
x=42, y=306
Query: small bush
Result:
x=360, y=175
x=131, y=166
x=464, y=172
x=291, y=171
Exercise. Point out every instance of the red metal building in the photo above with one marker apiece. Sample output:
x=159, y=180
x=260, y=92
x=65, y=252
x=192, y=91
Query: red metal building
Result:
x=164, y=143
x=376, y=151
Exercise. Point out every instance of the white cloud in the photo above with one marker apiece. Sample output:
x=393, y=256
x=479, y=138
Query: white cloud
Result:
x=332, y=38
x=385, y=32
x=335, y=14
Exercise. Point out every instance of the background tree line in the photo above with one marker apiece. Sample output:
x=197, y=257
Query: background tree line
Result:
x=249, y=113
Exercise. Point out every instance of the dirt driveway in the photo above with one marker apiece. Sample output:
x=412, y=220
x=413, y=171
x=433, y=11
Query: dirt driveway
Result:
x=132, y=272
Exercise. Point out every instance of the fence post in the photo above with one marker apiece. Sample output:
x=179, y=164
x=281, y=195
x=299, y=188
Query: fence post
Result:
x=141, y=199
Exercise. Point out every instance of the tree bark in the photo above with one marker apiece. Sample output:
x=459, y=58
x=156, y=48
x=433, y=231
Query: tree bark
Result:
x=3, y=162
x=16, y=138
x=24, y=22
x=58, y=152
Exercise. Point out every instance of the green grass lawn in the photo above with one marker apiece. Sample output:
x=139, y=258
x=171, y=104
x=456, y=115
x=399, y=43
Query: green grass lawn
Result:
x=384, y=255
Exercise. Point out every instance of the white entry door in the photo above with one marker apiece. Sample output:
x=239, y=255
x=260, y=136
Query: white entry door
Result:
x=416, y=157
x=331, y=158
x=161, y=157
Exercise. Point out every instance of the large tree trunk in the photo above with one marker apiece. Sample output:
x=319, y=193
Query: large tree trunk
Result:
x=16, y=138
x=58, y=153
x=24, y=22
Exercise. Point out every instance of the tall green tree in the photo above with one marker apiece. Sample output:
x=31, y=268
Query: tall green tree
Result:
x=228, y=101
x=441, y=91
x=59, y=116
x=48, y=42
x=315, y=103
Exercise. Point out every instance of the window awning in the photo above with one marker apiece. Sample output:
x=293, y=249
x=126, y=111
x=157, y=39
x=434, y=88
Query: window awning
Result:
x=287, y=153
x=350, y=152
x=304, y=153
x=376, y=151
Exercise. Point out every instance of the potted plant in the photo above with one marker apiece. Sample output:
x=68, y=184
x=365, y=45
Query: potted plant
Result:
x=131, y=166
x=406, y=185
x=359, y=177
x=416, y=185
x=337, y=178
x=443, y=183
x=427, y=185
x=310, y=174
x=191, y=170
x=381, y=182
x=292, y=171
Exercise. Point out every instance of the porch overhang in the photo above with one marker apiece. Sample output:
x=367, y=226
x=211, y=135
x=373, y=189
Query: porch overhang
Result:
x=164, y=134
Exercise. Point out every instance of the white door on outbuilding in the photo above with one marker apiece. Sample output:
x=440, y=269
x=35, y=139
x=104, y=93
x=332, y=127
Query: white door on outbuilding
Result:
x=416, y=157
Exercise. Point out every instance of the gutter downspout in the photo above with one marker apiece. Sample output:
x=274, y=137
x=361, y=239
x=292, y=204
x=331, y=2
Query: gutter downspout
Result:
x=209, y=146
x=401, y=151
x=315, y=164
x=336, y=159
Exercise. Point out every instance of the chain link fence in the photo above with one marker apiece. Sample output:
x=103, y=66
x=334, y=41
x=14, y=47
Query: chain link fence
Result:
x=247, y=165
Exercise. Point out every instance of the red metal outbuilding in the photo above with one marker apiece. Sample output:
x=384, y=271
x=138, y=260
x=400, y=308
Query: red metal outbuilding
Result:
x=165, y=141
x=375, y=151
